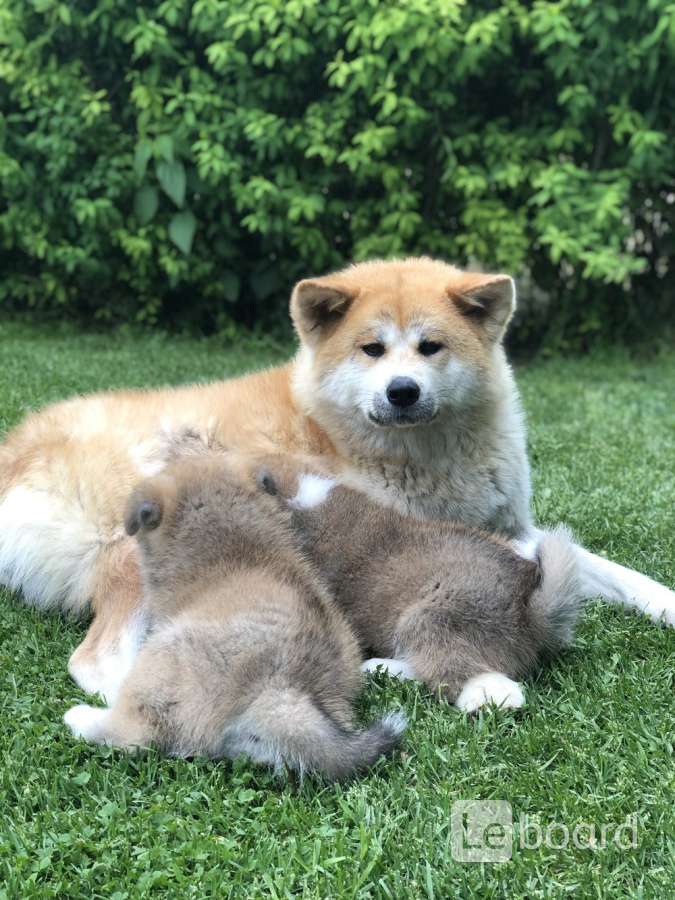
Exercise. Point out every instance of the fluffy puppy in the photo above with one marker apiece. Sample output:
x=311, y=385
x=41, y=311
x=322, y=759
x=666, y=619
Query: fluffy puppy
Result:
x=465, y=612
x=245, y=651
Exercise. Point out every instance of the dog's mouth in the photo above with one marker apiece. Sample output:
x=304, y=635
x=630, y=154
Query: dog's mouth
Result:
x=402, y=419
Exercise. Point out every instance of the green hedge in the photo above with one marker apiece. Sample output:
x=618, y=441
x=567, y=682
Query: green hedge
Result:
x=184, y=162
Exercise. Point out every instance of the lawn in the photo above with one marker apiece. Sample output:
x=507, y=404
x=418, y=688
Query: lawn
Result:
x=593, y=745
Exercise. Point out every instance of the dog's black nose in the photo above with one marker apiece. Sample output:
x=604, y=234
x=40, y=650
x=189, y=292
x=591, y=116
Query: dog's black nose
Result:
x=403, y=392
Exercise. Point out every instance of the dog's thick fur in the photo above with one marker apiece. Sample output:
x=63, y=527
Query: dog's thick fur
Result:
x=246, y=653
x=458, y=453
x=449, y=605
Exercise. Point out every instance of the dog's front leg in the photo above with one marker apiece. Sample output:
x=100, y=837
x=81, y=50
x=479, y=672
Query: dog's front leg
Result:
x=105, y=656
x=599, y=577
x=618, y=584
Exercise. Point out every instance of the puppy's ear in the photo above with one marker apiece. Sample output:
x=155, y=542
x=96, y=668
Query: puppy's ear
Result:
x=277, y=475
x=487, y=300
x=144, y=510
x=318, y=305
x=267, y=482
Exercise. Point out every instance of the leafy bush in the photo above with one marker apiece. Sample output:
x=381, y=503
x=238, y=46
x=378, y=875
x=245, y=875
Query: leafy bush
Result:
x=185, y=162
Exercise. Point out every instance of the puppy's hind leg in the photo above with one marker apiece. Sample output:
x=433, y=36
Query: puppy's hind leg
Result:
x=464, y=680
x=454, y=666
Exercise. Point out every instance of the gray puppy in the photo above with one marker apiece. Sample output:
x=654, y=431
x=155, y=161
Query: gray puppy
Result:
x=245, y=650
x=465, y=612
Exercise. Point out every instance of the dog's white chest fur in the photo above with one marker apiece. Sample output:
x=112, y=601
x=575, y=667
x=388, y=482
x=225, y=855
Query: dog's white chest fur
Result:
x=470, y=491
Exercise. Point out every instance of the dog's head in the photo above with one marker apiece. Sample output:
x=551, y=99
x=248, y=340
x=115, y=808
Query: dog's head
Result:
x=398, y=343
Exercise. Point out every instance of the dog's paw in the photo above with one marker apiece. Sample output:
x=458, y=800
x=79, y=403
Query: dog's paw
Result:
x=490, y=687
x=87, y=722
x=662, y=607
x=396, y=668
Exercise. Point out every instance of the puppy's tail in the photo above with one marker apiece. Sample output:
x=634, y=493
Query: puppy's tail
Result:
x=287, y=728
x=554, y=606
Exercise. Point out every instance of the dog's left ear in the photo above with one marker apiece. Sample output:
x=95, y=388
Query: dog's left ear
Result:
x=488, y=300
x=317, y=306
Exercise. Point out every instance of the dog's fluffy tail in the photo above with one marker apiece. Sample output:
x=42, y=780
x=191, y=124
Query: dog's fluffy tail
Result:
x=288, y=728
x=554, y=606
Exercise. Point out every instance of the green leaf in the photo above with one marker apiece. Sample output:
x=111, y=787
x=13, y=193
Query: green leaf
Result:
x=146, y=202
x=142, y=156
x=265, y=282
x=81, y=779
x=171, y=176
x=230, y=283
x=163, y=147
x=182, y=229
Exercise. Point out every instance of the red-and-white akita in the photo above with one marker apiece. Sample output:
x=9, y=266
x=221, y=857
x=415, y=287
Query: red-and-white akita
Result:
x=400, y=387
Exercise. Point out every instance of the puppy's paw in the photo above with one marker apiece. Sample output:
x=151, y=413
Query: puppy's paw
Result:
x=395, y=668
x=87, y=722
x=490, y=687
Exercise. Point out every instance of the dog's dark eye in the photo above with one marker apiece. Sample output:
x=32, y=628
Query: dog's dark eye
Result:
x=428, y=348
x=374, y=349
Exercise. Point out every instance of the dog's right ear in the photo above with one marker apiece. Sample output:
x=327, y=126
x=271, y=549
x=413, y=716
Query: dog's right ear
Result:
x=144, y=512
x=318, y=305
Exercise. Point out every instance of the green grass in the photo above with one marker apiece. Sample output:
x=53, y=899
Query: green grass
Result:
x=594, y=743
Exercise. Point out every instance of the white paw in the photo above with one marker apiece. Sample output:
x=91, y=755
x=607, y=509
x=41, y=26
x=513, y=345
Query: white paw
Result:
x=661, y=607
x=602, y=578
x=491, y=687
x=396, y=668
x=87, y=722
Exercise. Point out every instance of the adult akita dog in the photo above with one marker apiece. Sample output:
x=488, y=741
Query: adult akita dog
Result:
x=400, y=386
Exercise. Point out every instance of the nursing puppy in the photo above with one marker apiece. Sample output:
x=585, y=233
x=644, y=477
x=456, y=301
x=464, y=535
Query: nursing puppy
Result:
x=400, y=386
x=245, y=653
x=454, y=607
